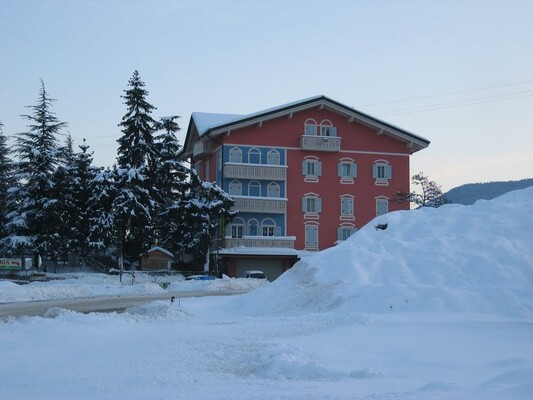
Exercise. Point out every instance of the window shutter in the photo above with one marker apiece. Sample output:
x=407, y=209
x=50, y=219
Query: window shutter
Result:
x=318, y=205
x=310, y=130
x=353, y=170
x=339, y=234
x=304, y=204
x=333, y=131
x=339, y=170
x=375, y=171
x=304, y=167
x=277, y=231
x=388, y=172
x=319, y=168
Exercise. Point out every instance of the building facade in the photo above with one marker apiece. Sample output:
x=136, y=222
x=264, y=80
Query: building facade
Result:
x=305, y=176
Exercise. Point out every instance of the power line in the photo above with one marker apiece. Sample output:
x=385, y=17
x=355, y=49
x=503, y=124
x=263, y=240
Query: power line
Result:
x=446, y=93
x=489, y=99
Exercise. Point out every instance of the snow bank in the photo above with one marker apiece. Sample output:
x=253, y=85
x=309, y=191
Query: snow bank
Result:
x=216, y=285
x=455, y=258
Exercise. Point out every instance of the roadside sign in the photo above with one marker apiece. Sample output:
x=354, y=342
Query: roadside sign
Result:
x=10, y=263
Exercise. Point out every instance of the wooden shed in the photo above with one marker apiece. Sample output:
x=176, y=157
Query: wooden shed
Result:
x=157, y=258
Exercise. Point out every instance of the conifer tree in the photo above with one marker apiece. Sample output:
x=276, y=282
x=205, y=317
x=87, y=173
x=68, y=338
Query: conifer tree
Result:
x=137, y=199
x=34, y=222
x=171, y=178
x=199, y=215
x=101, y=219
x=6, y=183
x=84, y=174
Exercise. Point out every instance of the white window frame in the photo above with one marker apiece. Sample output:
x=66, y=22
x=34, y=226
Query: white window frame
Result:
x=235, y=155
x=254, y=184
x=311, y=169
x=310, y=127
x=345, y=231
x=236, y=229
x=273, y=190
x=327, y=129
x=311, y=205
x=273, y=157
x=235, y=188
x=381, y=172
x=254, y=151
x=347, y=170
x=252, y=223
x=268, y=227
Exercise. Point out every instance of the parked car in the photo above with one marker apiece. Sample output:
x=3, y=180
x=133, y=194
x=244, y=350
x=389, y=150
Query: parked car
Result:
x=255, y=274
x=200, y=278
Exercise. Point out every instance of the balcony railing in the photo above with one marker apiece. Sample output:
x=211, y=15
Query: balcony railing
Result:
x=320, y=143
x=260, y=241
x=201, y=148
x=255, y=171
x=273, y=205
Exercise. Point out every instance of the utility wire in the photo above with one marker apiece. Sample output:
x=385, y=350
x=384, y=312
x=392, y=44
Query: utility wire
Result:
x=446, y=94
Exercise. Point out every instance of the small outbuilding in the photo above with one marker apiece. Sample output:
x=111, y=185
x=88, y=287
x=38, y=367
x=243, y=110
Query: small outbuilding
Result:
x=157, y=258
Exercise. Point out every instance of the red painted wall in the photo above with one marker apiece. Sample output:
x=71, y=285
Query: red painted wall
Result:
x=286, y=132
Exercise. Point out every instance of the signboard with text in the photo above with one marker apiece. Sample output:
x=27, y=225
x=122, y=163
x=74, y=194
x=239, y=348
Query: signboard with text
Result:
x=10, y=263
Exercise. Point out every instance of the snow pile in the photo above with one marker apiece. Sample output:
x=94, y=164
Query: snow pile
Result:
x=75, y=285
x=216, y=285
x=455, y=258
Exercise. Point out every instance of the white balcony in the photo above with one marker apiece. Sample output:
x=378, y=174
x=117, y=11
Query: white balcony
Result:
x=200, y=148
x=320, y=143
x=273, y=205
x=255, y=171
x=286, y=242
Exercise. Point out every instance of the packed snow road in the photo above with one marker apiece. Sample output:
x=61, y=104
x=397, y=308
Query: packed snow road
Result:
x=100, y=304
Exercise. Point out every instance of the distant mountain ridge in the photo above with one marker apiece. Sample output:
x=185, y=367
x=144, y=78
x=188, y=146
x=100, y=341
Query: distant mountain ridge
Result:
x=471, y=192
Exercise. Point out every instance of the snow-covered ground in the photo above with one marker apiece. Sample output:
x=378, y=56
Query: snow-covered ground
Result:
x=437, y=306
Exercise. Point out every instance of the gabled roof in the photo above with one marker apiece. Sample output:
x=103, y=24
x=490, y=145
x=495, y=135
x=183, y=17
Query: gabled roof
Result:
x=212, y=125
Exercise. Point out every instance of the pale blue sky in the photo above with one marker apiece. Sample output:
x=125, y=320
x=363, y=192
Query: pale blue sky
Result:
x=239, y=57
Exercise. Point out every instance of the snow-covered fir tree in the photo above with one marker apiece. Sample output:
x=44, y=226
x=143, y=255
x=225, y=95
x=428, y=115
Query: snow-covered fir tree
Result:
x=6, y=182
x=137, y=198
x=203, y=210
x=171, y=178
x=34, y=222
x=84, y=176
x=101, y=219
x=64, y=187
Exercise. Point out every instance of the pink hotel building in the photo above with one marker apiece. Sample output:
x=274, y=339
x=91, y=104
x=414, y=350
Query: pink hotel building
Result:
x=304, y=176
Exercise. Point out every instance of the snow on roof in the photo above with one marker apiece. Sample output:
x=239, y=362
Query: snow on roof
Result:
x=162, y=250
x=259, y=251
x=206, y=121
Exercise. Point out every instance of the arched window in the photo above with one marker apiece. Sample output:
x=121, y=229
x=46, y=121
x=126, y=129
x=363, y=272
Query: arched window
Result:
x=273, y=190
x=273, y=157
x=268, y=227
x=235, y=155
x=252, y=227
x=254, y=156
x=236, y=228
x=235, y=188
x=327, y=128
x=254, y=189
x=310, y=127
